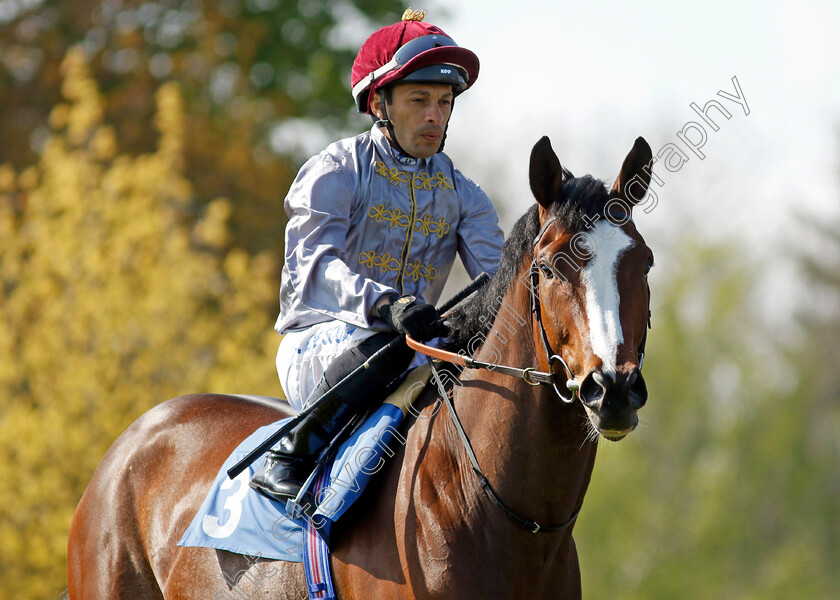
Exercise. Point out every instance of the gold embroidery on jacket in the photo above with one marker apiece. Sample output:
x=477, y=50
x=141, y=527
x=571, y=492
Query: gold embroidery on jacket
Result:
x=420, y=181
x=415, y=270
x=396, y=217
x=395, y=176
x=426, y=182
x=387, y=263
x=427, y=224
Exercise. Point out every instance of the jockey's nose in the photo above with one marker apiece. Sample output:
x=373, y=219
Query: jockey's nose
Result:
x=434, y=114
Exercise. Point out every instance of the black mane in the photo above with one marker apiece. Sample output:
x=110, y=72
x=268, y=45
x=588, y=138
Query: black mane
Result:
x=581, y=202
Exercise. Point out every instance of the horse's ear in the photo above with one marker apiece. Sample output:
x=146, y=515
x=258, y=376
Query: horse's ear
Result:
x=545, y=173
x=633, y=180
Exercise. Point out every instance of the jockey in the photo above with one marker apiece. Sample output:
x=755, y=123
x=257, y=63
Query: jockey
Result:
x=375, y=222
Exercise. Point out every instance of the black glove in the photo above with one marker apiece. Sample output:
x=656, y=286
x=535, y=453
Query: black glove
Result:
x=407, y=315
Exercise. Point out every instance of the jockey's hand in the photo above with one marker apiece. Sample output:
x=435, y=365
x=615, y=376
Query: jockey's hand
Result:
x=407, y=315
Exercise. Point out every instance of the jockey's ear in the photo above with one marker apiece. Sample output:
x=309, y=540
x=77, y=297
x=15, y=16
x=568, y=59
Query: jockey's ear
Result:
x=546, y=173
x=376, y=105
x=633, y=180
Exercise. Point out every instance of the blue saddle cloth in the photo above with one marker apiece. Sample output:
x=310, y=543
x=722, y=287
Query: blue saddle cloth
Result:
x=235, y=518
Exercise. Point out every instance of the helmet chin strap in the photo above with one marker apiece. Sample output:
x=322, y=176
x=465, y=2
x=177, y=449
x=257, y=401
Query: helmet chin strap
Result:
x=386, y=121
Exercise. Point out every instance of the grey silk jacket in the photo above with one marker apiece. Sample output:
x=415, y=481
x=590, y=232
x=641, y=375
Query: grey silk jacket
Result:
x=361, y=224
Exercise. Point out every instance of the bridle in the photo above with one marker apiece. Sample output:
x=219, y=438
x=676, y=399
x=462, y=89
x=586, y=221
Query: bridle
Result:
x=552, y=357
x=536, y=377
x=531, y=377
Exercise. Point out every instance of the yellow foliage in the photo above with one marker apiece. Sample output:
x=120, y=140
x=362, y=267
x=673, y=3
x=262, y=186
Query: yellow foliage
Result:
x=7, y=178
x=114, y=299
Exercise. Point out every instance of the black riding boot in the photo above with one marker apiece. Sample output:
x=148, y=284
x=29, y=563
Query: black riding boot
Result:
x=286, y=467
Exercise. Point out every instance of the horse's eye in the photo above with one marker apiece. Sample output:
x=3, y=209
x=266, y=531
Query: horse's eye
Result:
x=546, y=270
x=647, y=269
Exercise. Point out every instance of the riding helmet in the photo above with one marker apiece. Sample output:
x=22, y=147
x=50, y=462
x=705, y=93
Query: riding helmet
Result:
x=410, y=50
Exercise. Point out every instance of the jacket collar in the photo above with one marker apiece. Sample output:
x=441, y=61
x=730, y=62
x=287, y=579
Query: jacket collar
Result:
x=385, y=147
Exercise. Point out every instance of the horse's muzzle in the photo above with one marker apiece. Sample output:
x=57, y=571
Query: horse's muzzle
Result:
x=612, y=401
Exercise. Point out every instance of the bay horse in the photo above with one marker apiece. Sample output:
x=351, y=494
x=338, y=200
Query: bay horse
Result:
x=572, y=280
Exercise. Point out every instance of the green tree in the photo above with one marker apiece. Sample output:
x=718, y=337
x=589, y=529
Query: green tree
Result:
x=245, y=67
x=115, y=297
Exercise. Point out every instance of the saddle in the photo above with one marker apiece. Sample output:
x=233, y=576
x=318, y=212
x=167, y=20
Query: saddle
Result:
x=235, y=518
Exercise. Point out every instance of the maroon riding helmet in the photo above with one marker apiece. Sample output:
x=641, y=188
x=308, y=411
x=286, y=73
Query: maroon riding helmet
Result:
x=409, y=51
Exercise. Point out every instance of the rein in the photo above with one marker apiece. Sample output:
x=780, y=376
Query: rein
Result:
x=516, y=518
x=530, y=375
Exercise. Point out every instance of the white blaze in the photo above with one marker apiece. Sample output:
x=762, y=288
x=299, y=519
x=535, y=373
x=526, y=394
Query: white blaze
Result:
x=607, y=242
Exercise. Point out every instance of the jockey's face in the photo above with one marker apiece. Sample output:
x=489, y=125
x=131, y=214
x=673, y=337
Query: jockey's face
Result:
x=419, y=113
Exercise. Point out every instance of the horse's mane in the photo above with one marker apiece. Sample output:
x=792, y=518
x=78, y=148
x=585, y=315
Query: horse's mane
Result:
x=581, y=201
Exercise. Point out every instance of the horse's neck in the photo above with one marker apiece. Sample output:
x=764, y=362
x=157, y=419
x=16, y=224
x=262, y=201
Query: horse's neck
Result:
x=533, y=450
x=532, y=447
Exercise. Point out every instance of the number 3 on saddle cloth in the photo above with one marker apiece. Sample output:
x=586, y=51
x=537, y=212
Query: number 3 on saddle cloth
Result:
x=236, y=518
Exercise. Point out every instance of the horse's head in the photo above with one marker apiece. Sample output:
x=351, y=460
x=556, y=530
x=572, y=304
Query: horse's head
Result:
x=590, y=268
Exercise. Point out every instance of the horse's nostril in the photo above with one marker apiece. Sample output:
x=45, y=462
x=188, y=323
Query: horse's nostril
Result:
x=636, y=388
x=593, y=389
x=631, y=379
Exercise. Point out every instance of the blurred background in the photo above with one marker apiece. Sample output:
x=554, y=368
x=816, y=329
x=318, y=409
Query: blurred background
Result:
x=145, y=150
